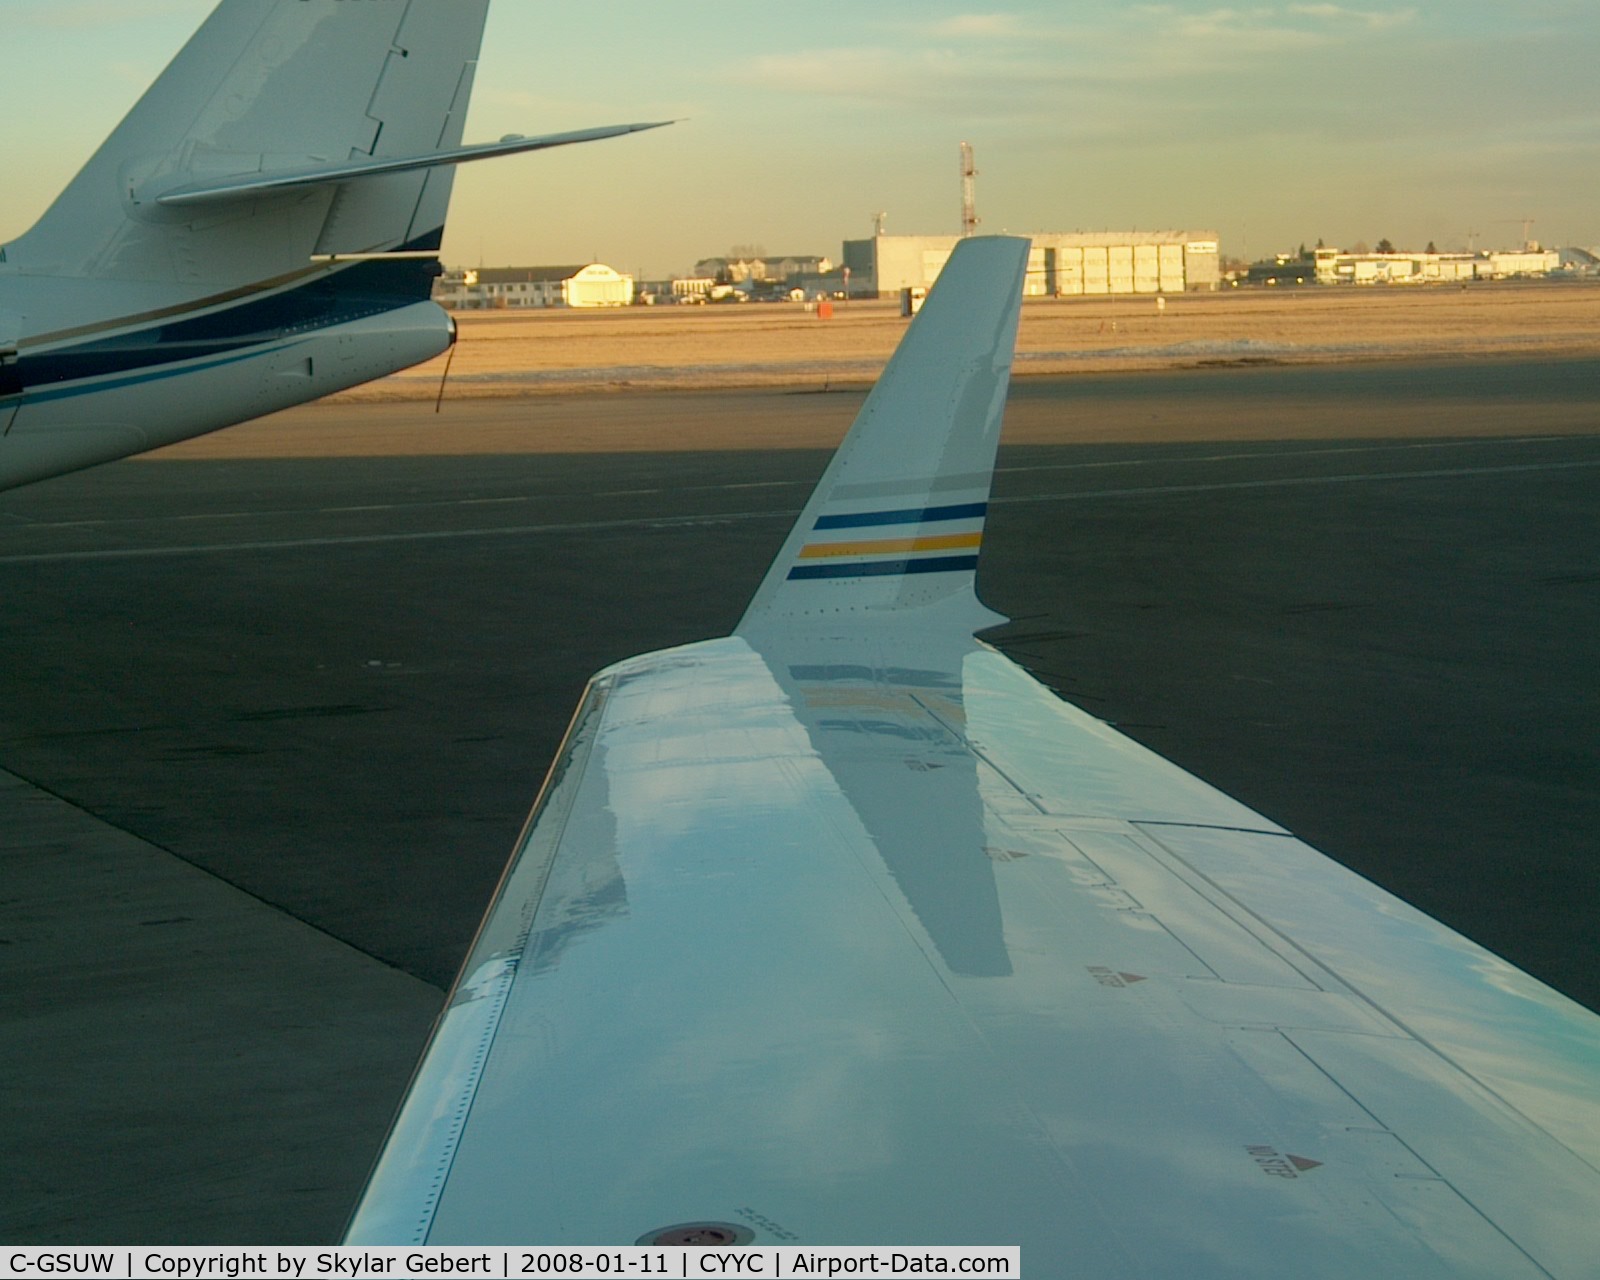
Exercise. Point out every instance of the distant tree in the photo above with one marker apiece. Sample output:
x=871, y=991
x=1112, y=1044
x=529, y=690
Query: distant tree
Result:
x=1432, y=248
x=1320, y=245
x=1305, y=254
x=1360, y=246
x=1385, y=245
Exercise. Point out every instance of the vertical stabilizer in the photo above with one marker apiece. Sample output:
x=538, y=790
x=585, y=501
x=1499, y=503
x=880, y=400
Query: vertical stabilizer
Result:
x=268, y=85
x=893, y=528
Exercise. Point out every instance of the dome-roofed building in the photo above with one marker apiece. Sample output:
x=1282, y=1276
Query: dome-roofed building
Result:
x=591, y=285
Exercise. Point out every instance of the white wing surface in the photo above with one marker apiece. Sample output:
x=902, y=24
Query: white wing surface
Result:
x=845, y=930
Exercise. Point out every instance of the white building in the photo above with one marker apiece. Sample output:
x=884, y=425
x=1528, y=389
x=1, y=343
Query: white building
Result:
x=499, y=288
x=1335, y=266
x=692, y=288
x=1061, y=264
x=1521, y=262
x=770, y=267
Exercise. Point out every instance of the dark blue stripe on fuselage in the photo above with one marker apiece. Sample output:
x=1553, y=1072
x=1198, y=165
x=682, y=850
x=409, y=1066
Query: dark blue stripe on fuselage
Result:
x=354, y=293
x=881, y=568
x=914, y=515
x=39, y=395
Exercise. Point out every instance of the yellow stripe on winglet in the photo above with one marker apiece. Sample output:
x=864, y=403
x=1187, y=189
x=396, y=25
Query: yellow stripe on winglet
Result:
x=881, y=546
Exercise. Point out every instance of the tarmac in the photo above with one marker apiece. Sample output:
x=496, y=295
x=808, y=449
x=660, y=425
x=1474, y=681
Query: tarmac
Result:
x=273, y=706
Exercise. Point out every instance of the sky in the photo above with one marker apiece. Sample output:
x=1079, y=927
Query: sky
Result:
x=1273, y=124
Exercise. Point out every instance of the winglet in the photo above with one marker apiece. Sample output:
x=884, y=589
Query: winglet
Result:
x=892, y=531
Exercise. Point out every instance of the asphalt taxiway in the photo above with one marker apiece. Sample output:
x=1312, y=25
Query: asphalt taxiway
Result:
x=272, y=709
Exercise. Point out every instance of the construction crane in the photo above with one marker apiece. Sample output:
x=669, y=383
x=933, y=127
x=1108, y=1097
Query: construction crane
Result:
x=1527, y=228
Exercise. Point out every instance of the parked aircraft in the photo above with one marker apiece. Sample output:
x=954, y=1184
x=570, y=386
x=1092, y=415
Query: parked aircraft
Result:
x=844, y=930
x=261, y=230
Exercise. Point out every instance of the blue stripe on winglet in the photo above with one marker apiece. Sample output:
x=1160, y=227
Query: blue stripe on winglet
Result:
x=912, y=515
x=877, y=568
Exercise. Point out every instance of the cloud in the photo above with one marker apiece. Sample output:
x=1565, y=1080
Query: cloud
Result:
x=1159, y=79
x=1017, y=59
x=983, y=25
x=857, y=72
x=1371, y=19
x=1236, y=33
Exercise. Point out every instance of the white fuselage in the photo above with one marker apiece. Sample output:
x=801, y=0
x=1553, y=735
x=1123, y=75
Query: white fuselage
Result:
x=87, y=390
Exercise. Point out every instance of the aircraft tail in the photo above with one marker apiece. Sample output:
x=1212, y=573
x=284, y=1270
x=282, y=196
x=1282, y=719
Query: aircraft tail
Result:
x=893, y=528
x=267, y=87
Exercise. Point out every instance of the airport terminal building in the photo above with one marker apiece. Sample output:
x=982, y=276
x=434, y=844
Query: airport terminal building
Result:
x=1061, y=264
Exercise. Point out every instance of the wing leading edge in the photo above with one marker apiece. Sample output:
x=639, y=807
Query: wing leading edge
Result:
x=845, y=930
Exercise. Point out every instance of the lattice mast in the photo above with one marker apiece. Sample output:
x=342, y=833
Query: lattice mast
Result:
x=969, y=192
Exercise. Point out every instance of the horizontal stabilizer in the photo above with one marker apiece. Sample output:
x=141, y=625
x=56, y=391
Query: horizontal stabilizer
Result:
x=894, y=525
x=253, y=185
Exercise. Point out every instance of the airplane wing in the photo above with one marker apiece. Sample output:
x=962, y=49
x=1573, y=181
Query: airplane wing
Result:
x=251, y=186
x=844, y=930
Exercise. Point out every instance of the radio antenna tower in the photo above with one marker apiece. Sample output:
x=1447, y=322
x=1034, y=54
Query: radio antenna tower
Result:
x=969, y=192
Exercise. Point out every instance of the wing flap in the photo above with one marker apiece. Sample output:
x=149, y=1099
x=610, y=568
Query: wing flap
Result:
x=1507, y=1032
x=1458, y=1144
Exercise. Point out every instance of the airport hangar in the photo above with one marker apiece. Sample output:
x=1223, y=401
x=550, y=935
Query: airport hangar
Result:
x=1061, y=264
x=581, y=285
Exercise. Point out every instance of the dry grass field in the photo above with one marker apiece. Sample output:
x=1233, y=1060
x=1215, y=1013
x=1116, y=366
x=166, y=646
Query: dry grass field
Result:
x=767, y=345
